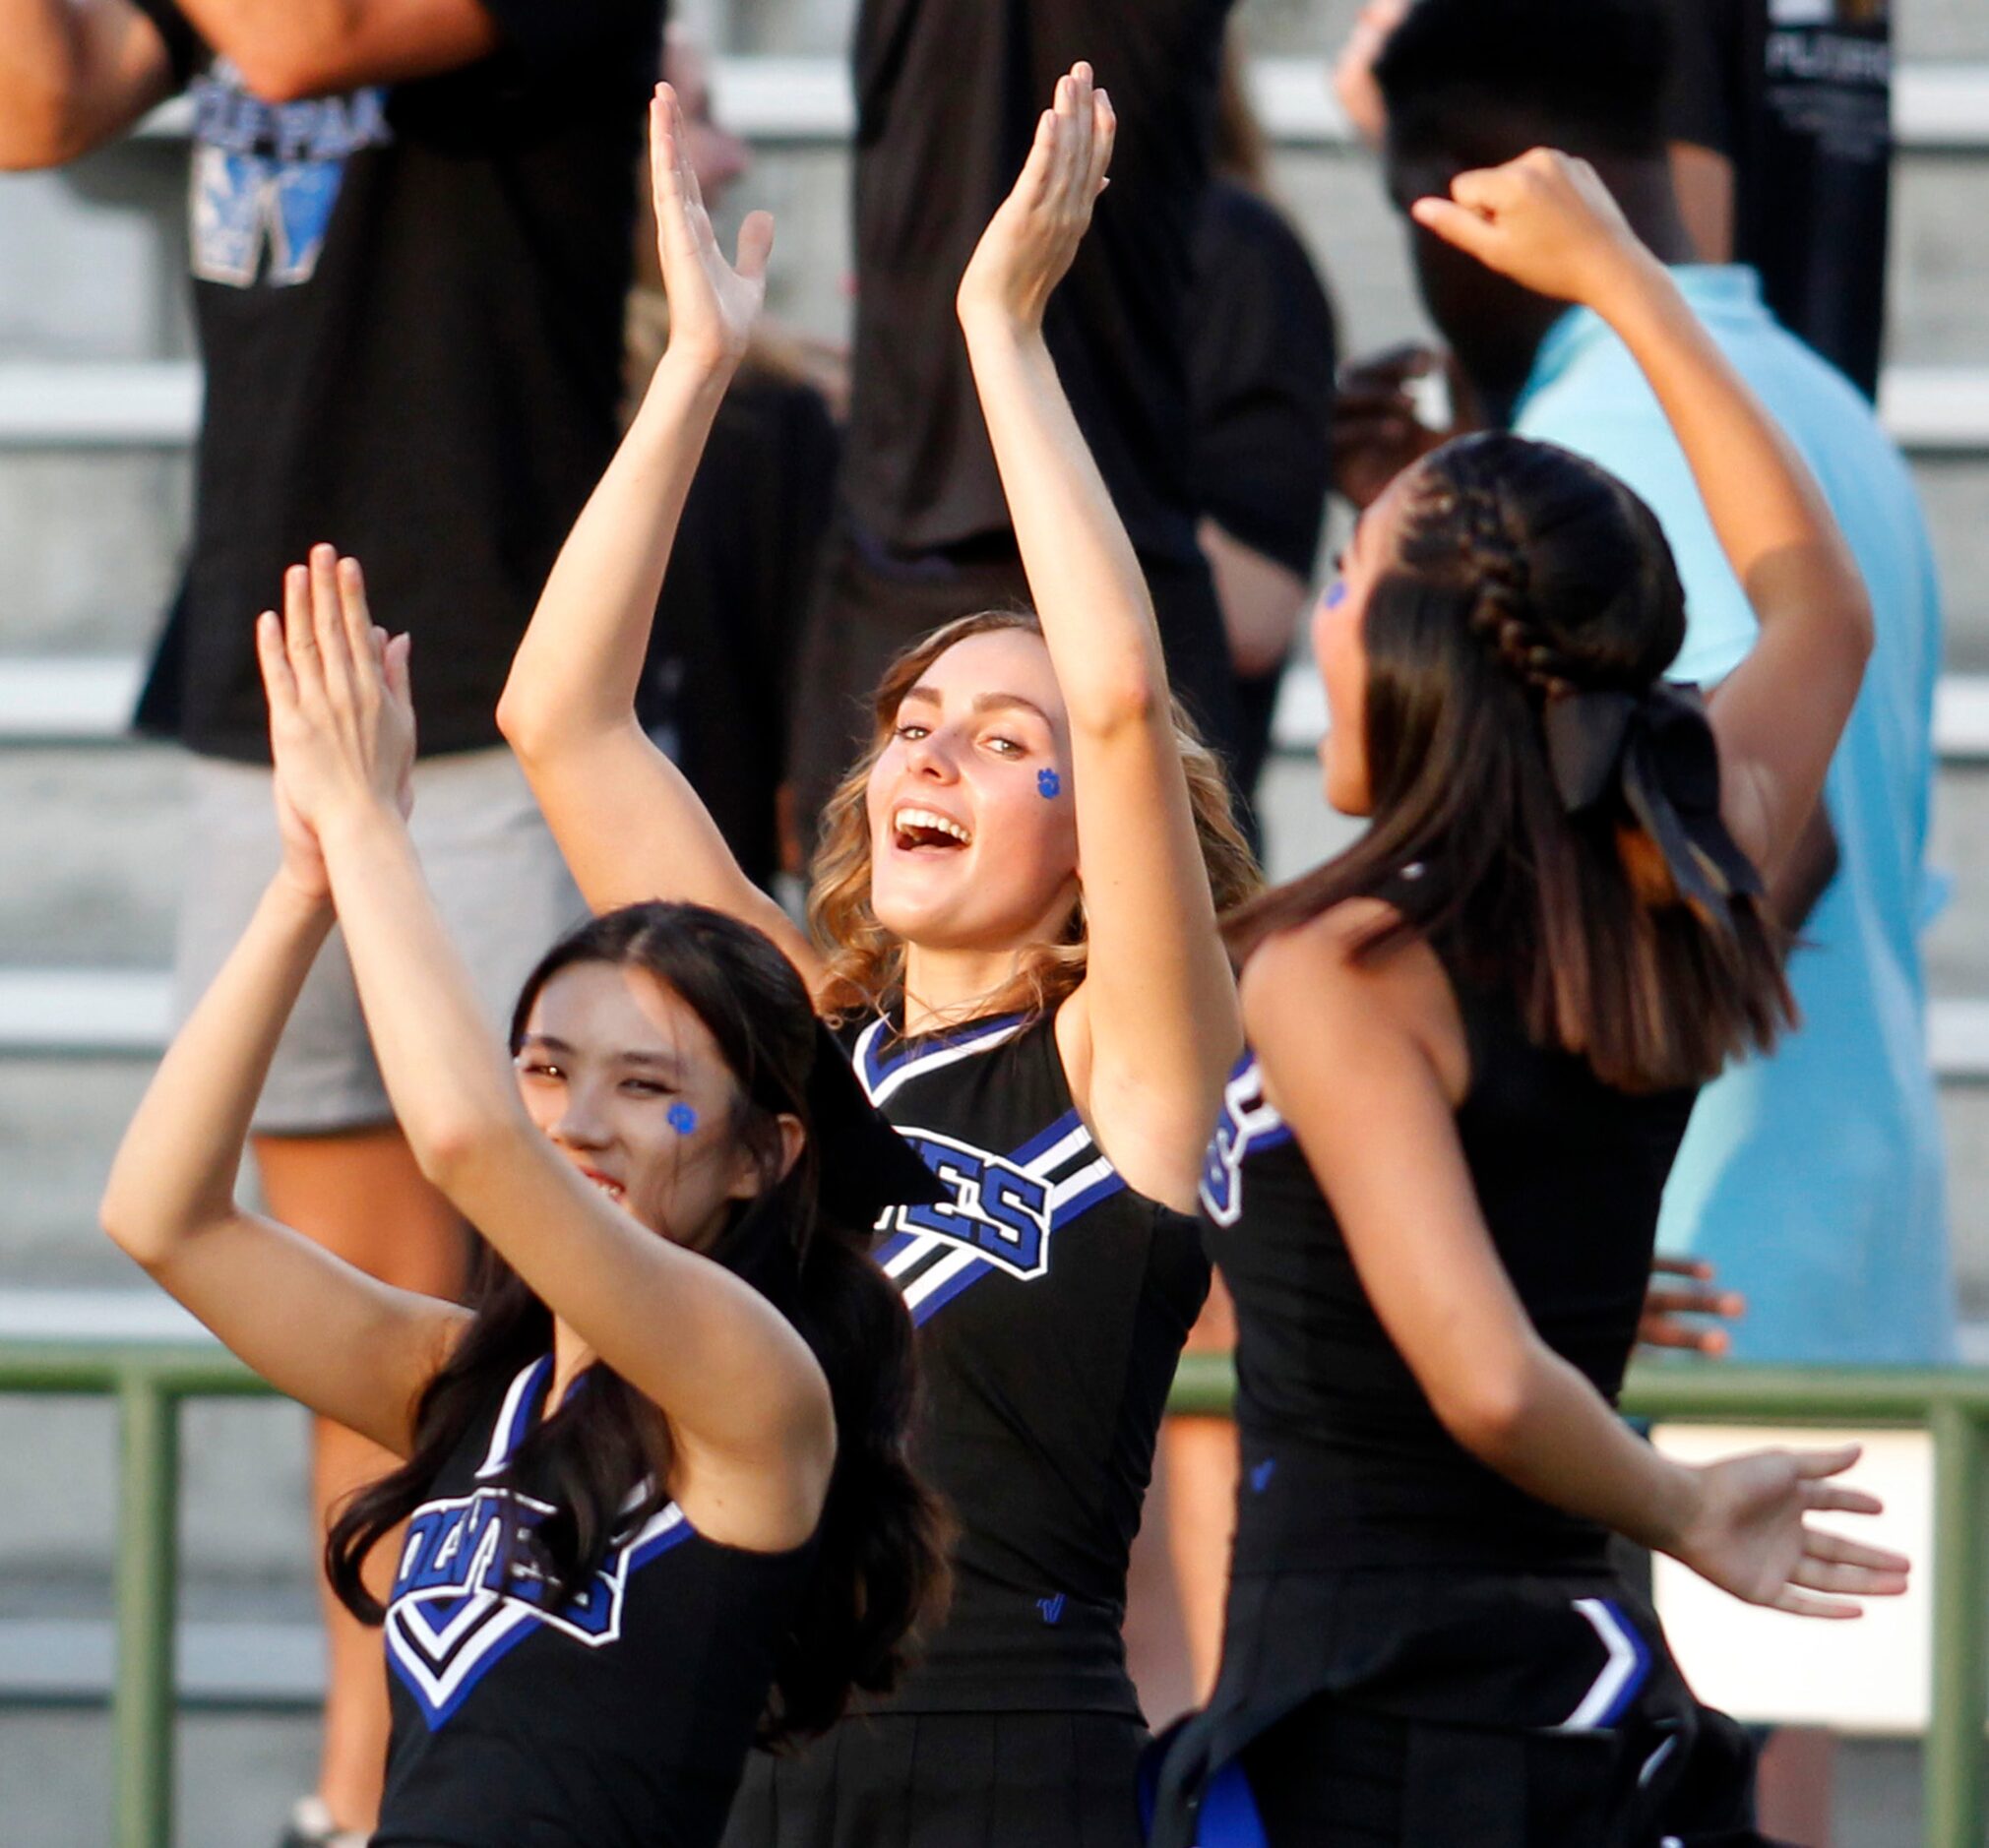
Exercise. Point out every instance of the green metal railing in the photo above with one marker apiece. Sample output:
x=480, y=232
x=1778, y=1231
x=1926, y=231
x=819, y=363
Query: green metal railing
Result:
x=149, y=1381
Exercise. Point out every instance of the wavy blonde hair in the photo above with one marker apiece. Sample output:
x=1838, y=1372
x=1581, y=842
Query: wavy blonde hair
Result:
x=866, y=962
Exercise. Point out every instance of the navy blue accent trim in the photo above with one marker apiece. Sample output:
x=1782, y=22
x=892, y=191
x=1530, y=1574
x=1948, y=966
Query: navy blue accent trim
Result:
x=660, y=1544
x=438, y=1717
x=892, y=1246
x=1077, y=1203
x=1633, y=1687
x=877, y=1067
x=1046, y=1140
x=924, y=1311
x=527, y=1411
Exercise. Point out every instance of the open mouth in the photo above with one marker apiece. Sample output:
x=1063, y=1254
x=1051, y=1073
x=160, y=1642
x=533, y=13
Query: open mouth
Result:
x=612, y=1189
x=913, y=830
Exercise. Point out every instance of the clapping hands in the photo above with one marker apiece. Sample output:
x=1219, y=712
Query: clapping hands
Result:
x=1032, y=239
x=714, y=304
x=341, y=716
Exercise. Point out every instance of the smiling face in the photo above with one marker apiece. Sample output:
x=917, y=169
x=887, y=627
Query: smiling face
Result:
x=973, y=833
x=629, y=1084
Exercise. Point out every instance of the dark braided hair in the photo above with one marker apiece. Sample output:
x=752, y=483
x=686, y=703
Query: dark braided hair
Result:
x=1522, y=575
x=1503, y=616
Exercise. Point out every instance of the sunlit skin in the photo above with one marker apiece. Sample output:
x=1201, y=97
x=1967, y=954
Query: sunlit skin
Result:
x=610, y=1061
x=1339, y=646
x=970, y=743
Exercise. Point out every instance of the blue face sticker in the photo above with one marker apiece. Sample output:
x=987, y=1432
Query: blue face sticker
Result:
x=1049, y=785
x=682, y=1118
x=1336, y=593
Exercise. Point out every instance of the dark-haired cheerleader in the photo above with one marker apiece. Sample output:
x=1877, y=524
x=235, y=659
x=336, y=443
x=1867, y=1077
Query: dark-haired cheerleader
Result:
x=654, y=1482
x=1477, y=1037
x=1014, y=926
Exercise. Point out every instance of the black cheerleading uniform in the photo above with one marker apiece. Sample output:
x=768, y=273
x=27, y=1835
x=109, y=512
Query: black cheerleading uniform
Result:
x=1051, y=1303
x=1416, y=1652
x=618, y=1720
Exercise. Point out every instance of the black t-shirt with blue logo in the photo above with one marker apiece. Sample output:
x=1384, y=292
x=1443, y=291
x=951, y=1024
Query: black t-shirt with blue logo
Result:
x=621, y=1718
x=1051, y=1303
x=409, y=303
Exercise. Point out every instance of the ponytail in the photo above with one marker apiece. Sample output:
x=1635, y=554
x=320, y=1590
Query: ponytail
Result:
x=881, y=1568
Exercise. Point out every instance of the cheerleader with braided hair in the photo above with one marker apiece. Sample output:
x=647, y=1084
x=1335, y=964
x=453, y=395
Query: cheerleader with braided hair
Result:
x=1475, y=1040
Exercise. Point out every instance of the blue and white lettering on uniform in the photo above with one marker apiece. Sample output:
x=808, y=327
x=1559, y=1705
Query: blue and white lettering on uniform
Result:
x=1004, y=1208
x=1247, y=1121
x=470, y=1589
x=267, y=177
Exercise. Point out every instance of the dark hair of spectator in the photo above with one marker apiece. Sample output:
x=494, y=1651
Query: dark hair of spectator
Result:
x=1508, y=553
x=866, y=962
x=1241, y=153
x=1592, y=73
x=879, y=1548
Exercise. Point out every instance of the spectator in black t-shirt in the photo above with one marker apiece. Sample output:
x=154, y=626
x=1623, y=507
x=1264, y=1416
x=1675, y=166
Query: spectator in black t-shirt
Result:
x=948, y=93
x=1781, y=121
x=411, y=235
x=1263, y=347
x=716, y=688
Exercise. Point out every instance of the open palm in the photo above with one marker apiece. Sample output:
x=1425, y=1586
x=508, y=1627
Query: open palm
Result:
x=1032, y=239
x=713, y=303
x=1753, y=1539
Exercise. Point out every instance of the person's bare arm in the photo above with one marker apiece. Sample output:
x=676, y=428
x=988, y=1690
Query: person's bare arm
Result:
x=1261, y=601
x=1806, y=871
x=1351, y=1059
x=1158, y=1001
x=353, y=1349
x=319, y=47
x=1549, y=224
x=1703, y=178
x=745, y=1399
x=74, y=73
x=629, y=823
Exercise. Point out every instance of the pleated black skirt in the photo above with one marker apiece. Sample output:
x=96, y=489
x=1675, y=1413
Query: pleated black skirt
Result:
x=948, y=1780
x=1415, y=1709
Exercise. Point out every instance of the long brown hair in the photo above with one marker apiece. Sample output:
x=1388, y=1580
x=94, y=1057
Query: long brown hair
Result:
x=866, y=962
x=1523, y=573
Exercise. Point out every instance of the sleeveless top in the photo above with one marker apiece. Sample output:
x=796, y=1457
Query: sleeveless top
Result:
x=1345, y=1464
x=622, y=1717
x=1051, y=1303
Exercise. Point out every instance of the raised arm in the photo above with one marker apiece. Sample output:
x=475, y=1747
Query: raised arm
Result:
x=1158, y=1008
x=629, y=823
x=1354, y=1057
x=72, y=75
x=350, y=1348
x=747, y=1404
x=1548, y=223
x=318, y=47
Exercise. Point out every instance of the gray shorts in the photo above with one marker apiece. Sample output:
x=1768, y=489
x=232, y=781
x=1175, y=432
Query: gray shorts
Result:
x=502, y=888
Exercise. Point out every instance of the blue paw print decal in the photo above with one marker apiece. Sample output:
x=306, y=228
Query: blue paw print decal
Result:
x=683, y=1119
x=1049, y=785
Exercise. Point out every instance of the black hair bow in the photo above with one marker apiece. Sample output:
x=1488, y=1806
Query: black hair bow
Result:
x=1657, y=748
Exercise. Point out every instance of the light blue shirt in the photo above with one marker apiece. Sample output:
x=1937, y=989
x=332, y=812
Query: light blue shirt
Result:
x=1813, y=1178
